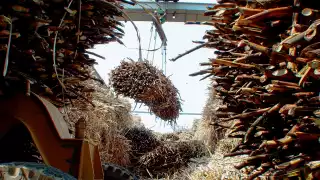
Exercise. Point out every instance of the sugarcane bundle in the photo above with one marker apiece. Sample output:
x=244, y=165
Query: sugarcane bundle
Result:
x=146, y=84
x=169, y=157
x=43, y=43
x=142, y=140
x=266, y=72
x=167, y=110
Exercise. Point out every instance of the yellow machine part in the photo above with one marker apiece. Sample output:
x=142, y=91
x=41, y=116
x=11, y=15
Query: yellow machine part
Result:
x=50, y=134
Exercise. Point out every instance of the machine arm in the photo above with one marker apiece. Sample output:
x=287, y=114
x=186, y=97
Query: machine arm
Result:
x=50, y=134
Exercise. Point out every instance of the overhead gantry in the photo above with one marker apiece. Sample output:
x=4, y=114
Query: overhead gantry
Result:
x=175, y=12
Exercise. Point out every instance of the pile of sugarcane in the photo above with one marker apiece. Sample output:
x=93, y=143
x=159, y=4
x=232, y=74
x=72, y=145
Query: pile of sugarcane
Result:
x=267, y=72
x=169, y=157
x=43, y=43
x=146, y=84
x=142, y=140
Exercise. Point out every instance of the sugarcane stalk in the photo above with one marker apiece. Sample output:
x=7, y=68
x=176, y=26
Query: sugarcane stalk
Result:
x=301, y=110
x=237, y=129
x=246, y=77
x=261, y=133
x=275, y=143
x=305, y=76
x=291, y=164
x=241, y=152
x=252, y=160
x=247, y=115
x=285, y=83
x=232, y=64
x=257, y=121
x=313, y=165
x=247, y=58
x=258, y=47
x=237, y=122
x=268, y=13
x=189, y=51
x=209, y=70
x=305, y=136
x=257, y=173
x=249, y=11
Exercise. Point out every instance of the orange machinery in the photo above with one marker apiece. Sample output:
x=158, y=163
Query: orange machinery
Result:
x=75, y=156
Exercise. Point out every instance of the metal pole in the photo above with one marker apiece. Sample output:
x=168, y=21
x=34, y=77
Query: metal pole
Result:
x=165, y=59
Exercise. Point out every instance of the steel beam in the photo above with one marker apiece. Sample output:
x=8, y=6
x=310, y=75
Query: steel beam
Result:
x=183, y=11
x=182, y=113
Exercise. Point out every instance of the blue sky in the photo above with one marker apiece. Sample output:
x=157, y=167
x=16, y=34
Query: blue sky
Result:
x=180, y=36
x=201, y=1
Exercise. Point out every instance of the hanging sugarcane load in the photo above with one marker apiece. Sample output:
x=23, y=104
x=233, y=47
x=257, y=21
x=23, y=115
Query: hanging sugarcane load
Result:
x=43, y=63
x=266, y=71
x=146, y=84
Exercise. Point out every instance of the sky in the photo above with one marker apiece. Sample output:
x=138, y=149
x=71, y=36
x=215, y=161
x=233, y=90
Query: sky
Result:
x=196, y=1
x=193, y=92
x=200, y=1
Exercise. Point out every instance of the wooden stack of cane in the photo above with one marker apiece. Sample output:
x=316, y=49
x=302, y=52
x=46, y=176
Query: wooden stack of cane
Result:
x=267, y=72
x=44, y=44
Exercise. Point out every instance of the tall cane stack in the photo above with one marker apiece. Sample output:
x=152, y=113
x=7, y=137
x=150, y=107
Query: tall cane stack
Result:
x=267, y=72
x=43, y=43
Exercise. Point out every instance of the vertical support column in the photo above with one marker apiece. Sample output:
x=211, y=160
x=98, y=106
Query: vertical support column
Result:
x=80, y=128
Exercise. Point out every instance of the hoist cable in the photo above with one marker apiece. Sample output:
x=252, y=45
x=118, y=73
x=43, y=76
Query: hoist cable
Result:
x=165, y=60
x=155, y=43
x=151, y=31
